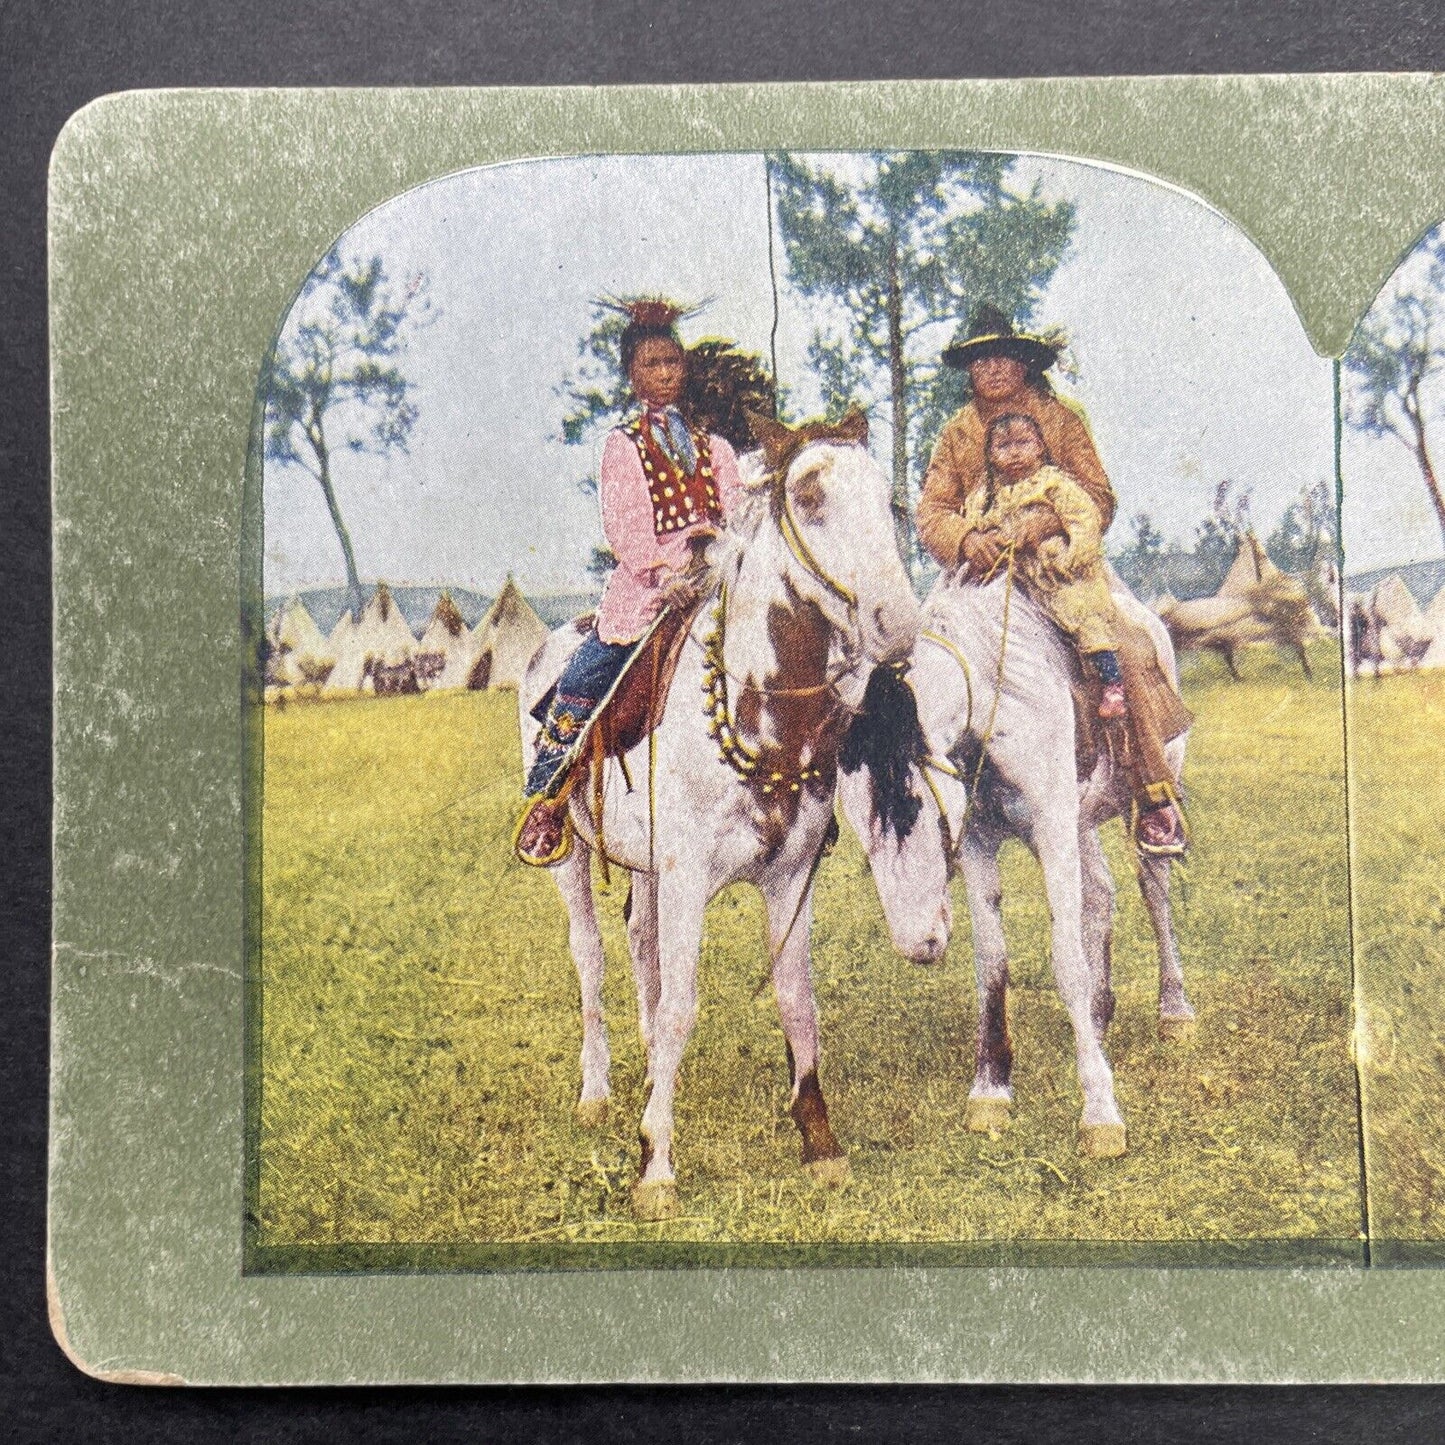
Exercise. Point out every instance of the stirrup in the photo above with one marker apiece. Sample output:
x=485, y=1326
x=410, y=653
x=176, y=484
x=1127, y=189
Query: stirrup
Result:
x=564, y=843
x=1178, y=843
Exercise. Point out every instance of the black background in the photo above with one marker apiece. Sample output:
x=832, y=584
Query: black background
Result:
x=54, y=57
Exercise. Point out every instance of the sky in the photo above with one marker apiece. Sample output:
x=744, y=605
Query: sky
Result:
x=1387, y=519
x=1190, y=360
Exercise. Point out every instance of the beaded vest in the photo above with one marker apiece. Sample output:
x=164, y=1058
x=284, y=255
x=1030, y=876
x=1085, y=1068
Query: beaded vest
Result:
x=679, y=498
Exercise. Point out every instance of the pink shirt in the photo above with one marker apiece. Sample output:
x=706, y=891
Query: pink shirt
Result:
x=645, y=561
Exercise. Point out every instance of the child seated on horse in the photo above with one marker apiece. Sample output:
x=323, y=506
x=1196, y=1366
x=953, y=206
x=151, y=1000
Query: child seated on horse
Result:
x=666, y=489
x=1064, y=574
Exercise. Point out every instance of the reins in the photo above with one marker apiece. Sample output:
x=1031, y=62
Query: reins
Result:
x=798, y=546
x=741, y=756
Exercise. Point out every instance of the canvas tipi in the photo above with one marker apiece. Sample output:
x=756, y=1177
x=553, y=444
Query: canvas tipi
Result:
x=507, y=639
x=1405, y=633
x=298, y=651
x=447, y=651
x=1256, y=603
x=1434, y=619
x=381, y=637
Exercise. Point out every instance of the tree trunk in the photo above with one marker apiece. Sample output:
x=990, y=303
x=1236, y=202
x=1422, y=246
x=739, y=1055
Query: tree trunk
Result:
x=1422, y=456
x=317, y=438
x=897, y=378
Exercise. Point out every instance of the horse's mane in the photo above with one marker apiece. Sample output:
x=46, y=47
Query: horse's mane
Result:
x=886, y=737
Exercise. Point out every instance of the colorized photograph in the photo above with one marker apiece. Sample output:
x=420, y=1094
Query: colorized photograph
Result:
x=1394, y=549
x=801, y=719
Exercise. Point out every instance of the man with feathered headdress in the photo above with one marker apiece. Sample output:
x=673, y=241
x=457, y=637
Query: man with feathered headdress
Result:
x=666, y=488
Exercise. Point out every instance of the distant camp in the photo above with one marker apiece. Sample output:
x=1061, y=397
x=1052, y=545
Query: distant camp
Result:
x=410, y=639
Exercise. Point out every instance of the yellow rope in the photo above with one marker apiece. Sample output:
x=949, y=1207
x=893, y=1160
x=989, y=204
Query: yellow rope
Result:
x=793, y=536
x=939, y=640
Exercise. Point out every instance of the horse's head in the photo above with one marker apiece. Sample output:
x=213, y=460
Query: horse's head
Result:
x=888, y=804
x=832, y=504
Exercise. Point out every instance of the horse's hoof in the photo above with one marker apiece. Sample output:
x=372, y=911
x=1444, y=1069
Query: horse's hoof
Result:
x=654, y=1199
x=987, y=1116
x=591, y=1113
x=1177, y=1029
x=831, y=1173
x=1103, y=1141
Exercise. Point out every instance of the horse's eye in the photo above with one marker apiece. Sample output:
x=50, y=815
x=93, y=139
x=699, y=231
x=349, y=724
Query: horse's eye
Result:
x=808, y=494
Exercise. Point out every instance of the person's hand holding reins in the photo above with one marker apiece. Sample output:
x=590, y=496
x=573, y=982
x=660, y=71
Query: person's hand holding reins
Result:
x=1032, y=527
x=685, y=587
x=983, y=550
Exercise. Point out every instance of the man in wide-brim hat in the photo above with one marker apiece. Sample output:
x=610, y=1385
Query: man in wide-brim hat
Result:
x=1007, y=374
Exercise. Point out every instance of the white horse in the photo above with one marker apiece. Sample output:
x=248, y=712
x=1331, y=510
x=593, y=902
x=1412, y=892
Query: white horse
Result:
x=737, y=781
x=980, y=748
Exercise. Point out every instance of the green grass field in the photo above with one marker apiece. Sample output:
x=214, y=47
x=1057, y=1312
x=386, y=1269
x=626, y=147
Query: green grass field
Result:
x=418, y=1034
x=1397, y=738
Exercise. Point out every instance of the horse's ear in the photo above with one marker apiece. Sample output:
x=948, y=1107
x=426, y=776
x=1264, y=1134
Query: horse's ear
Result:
x=770, y=434
x=853, y=427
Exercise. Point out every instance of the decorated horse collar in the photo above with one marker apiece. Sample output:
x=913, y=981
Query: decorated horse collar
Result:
x=769, y=770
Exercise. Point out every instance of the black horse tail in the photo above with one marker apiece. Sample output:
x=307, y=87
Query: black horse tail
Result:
x=886, y=738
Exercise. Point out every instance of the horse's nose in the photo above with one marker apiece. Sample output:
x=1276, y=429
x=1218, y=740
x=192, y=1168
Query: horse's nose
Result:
x=931, y=948
x=934, y=944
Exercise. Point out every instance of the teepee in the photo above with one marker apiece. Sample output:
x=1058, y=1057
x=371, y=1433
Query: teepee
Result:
x=506, y=640
x=1405, y=631
x=298, y=651
x=1251, y=566
x=1256, y=603
x=447, y=651
x=381, y=637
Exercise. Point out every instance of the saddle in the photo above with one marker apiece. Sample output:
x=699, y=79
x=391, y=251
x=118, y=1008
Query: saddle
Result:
x=636, y=705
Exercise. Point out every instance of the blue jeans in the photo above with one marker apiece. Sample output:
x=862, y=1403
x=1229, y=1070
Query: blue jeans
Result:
x=590, y=671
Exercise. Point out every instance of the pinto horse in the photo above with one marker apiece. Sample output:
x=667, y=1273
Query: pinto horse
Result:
x=976, y=748
x=737, y=781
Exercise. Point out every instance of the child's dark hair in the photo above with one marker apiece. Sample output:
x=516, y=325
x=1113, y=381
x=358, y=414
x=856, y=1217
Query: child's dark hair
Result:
x=1013, y=418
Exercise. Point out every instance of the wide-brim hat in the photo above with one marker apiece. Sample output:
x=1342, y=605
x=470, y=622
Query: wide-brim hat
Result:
x=992, y=333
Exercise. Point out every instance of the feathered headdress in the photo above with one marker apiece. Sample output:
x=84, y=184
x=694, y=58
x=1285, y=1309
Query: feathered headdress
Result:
x=651, y=310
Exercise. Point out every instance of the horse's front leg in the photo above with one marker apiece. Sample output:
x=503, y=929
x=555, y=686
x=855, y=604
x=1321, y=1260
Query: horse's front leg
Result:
x=680, y=903
x=991, y=1098
x=790, y=926
x=573, y=878
x=1098, y=926
x=1052, y=798
x=1176, y=1013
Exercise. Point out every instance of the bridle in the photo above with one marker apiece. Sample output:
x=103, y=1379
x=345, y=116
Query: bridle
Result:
x=734, y=750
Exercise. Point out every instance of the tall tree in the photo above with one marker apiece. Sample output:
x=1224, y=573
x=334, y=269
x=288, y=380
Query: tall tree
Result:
x=333, y=381
x=899, y=255
x=1397, y=357
x=1305, y=533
